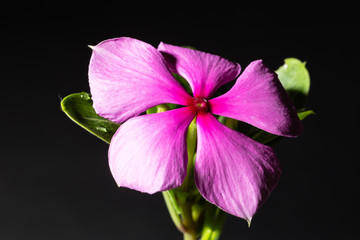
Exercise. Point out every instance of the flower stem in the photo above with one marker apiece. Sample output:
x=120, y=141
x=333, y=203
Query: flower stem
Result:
x=188, y=236
x=172, y=211
x=191, y=139
x=187, y=202
x=218, y=225
x=214, y=221
x=187, y=217
x=191, y=214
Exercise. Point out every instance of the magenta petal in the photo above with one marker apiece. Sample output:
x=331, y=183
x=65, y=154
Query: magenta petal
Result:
x=128, y=76
x=148, y=153
x=205, y=72
x=259, y=99
x=233, y=171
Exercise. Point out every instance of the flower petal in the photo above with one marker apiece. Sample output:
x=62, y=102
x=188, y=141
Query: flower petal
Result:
x=233, y=171
x=259, y=99
x=148, y=153
x=205, y=72
x=128, y=76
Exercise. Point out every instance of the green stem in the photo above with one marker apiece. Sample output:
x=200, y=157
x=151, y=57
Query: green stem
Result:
x=188, y=236
x=181, y=202
x=219, y=223
x=186, y=203
x=214, y=221
x=190, y=226
x=191, y=139
x=169, y=197
x=172, y=211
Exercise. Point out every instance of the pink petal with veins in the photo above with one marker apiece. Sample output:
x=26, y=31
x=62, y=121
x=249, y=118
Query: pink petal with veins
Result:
x=205, y=72
x=148, y=153
x=128, y=76
x=233, y=171
x=258, y=98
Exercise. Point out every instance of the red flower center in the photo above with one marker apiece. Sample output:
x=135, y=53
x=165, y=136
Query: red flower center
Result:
x=201, y=104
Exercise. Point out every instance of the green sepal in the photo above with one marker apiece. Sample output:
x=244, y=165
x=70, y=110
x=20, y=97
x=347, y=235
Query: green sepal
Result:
x=183, y=83
x=295, y=78
x=79, y=108
x=157, y=109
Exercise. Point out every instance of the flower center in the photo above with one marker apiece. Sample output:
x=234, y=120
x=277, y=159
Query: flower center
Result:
x=201, y=104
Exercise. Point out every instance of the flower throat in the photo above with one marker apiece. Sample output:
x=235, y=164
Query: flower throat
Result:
x=201, y=104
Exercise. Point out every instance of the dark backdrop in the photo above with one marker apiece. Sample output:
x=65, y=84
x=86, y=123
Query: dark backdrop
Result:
x=55, y=182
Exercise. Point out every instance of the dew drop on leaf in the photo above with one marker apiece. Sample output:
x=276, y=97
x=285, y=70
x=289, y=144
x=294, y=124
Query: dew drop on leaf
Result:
x=100, y=128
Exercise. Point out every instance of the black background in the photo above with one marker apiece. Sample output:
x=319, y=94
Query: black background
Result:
x=55, y=182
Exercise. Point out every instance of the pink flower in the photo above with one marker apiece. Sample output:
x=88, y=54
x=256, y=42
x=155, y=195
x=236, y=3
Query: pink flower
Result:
x=148, y=152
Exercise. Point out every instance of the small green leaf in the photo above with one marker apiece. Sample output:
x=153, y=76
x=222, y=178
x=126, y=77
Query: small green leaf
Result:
x=296, y=80
x=304, y=114
x=78, y=107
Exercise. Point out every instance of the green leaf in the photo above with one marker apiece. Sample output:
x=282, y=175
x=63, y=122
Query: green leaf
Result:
x=296, y=80
x=304, y=114
x=78, y=107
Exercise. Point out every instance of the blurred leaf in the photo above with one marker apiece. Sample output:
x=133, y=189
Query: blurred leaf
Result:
x=78, y=107
x=190, y=47
x=296, y=80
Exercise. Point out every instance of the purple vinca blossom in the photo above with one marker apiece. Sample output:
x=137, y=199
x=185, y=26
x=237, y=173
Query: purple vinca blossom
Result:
x=148, y=153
